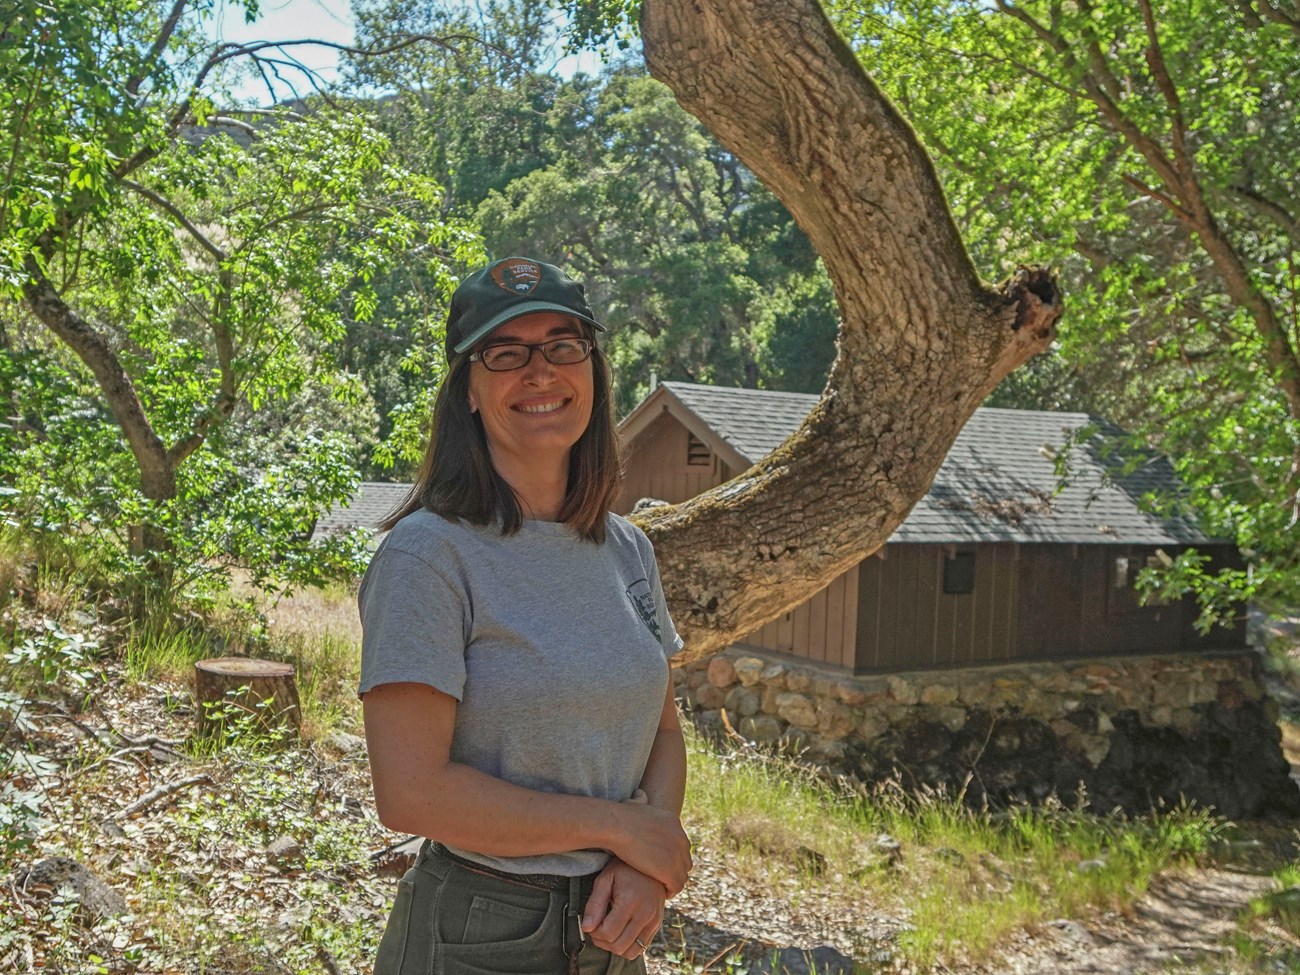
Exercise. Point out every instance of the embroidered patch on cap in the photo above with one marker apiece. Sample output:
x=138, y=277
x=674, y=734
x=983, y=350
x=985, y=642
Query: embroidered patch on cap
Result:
x=517, y=277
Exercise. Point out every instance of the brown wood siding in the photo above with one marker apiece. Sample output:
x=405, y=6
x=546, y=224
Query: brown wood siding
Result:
x=1002, y=596
x=906, y=620
x=1028, y=602
x=1070, y=604
x=1055, y=598
x=821, y=629
x=656, y=467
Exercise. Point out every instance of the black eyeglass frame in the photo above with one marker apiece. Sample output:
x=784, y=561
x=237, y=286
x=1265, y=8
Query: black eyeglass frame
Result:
x=585, y=344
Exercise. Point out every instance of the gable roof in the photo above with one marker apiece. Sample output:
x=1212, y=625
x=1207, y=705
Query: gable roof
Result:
x=998, y=482
x=741, y=425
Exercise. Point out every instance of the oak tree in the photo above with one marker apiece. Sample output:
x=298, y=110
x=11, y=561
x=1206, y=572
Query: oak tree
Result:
x=1150, y=150
x=923, y=338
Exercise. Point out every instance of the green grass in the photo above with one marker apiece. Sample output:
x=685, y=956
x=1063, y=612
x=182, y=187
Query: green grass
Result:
x=964, y=879
x=1268, y=929
x=159, y=652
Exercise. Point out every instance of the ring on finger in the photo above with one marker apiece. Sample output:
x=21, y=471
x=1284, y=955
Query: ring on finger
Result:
x=644, y=946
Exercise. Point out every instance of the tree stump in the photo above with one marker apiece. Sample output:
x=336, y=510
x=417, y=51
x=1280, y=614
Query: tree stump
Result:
x=234, y=694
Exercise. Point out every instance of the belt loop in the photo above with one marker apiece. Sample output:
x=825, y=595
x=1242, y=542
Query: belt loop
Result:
x=574, y=942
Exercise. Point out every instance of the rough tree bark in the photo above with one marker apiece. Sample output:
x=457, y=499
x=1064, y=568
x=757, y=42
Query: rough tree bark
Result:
x=922, y=339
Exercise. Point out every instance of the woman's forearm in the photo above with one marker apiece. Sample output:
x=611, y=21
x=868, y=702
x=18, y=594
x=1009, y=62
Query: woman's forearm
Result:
x=664, y=781
x=466, y=808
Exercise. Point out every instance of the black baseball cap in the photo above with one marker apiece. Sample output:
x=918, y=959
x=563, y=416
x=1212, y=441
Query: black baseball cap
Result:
x=507, y=289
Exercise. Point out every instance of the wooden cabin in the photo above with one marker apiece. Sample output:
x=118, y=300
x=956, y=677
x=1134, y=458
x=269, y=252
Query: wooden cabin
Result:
x=998, y=562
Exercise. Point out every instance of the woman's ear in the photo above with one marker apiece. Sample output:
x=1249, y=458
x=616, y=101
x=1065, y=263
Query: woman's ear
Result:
x=473, y=406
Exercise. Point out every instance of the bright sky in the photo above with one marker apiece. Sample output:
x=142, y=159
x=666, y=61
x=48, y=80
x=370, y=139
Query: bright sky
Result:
x=326, y=20
x=283, y=20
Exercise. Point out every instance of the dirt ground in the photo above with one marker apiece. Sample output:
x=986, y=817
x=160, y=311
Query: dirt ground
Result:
x=1186, y=923
x=1193, y=922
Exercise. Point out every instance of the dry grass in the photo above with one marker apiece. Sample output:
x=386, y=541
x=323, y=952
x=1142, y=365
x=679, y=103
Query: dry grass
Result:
x=319, y=631
x=1291, y=741
x=315, y=614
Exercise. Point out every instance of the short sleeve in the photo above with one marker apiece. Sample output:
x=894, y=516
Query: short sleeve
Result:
x=414, y=624
x=669, y=637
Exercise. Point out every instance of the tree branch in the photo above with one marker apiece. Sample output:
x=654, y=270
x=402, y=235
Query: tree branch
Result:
x=1160, y=71
x=18, y=141
x=158, y=480
x=159, y=46
x=172, y=210
x=235, y=123
x=1276, y=14
x=1096, y=60
x=223, y=404
x=922, y=339
x=1174, y=207
x=1270, y=209
x=1107, y=107
x=1187, y=201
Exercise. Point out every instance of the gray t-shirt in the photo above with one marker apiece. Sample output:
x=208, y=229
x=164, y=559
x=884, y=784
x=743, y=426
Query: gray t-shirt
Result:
x=556, y=649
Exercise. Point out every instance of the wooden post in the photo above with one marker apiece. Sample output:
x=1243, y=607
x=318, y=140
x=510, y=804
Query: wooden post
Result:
x=265, y=690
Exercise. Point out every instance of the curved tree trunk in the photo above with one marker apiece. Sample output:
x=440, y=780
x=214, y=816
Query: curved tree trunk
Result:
x=157, y=473
x=922, y=339
x=157, y=469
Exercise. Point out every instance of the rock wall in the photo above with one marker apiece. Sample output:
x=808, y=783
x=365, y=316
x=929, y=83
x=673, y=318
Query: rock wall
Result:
x=1135, y=732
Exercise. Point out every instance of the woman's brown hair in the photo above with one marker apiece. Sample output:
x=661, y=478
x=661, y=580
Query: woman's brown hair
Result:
x=457, y=479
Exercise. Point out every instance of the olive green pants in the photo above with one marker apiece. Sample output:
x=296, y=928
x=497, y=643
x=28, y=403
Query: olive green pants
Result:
x=449, y=920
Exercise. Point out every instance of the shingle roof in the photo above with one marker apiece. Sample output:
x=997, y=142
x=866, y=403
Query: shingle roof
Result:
x=753, y=421
x=999, y=482
x=372, y=503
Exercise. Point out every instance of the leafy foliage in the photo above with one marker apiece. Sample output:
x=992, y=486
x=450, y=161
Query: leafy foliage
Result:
x=182, y=283
x=1149, y=151
x=700, y=272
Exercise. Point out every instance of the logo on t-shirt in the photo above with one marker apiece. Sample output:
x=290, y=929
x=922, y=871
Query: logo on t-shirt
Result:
x=643, y=601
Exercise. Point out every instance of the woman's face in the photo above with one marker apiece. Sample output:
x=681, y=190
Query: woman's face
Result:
x=541, y=410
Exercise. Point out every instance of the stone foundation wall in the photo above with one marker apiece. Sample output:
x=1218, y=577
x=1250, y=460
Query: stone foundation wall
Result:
x=1135, y=732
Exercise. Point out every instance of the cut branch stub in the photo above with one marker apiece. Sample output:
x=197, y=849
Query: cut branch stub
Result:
x=235, y=695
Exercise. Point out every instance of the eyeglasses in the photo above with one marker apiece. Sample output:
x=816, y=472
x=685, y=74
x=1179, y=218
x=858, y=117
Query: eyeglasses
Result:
x=516, y=355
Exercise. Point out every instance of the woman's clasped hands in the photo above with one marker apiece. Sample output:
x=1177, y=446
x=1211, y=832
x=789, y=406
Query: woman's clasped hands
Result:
x=626, y=906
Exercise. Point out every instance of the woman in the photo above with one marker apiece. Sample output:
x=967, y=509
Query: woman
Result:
x=514, y=676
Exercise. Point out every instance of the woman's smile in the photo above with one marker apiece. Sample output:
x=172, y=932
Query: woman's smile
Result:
x=542, y=407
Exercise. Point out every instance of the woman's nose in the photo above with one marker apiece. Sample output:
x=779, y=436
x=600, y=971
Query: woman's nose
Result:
x=538, y=368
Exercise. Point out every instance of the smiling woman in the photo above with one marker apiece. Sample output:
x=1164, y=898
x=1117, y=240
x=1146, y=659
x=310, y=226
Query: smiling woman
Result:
x=534, y=397
x=514, y=675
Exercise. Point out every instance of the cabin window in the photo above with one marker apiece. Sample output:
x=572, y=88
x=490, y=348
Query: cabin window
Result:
x=697, y=452
x=1119, y=578
x=959, y=574
x=1123, y=599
